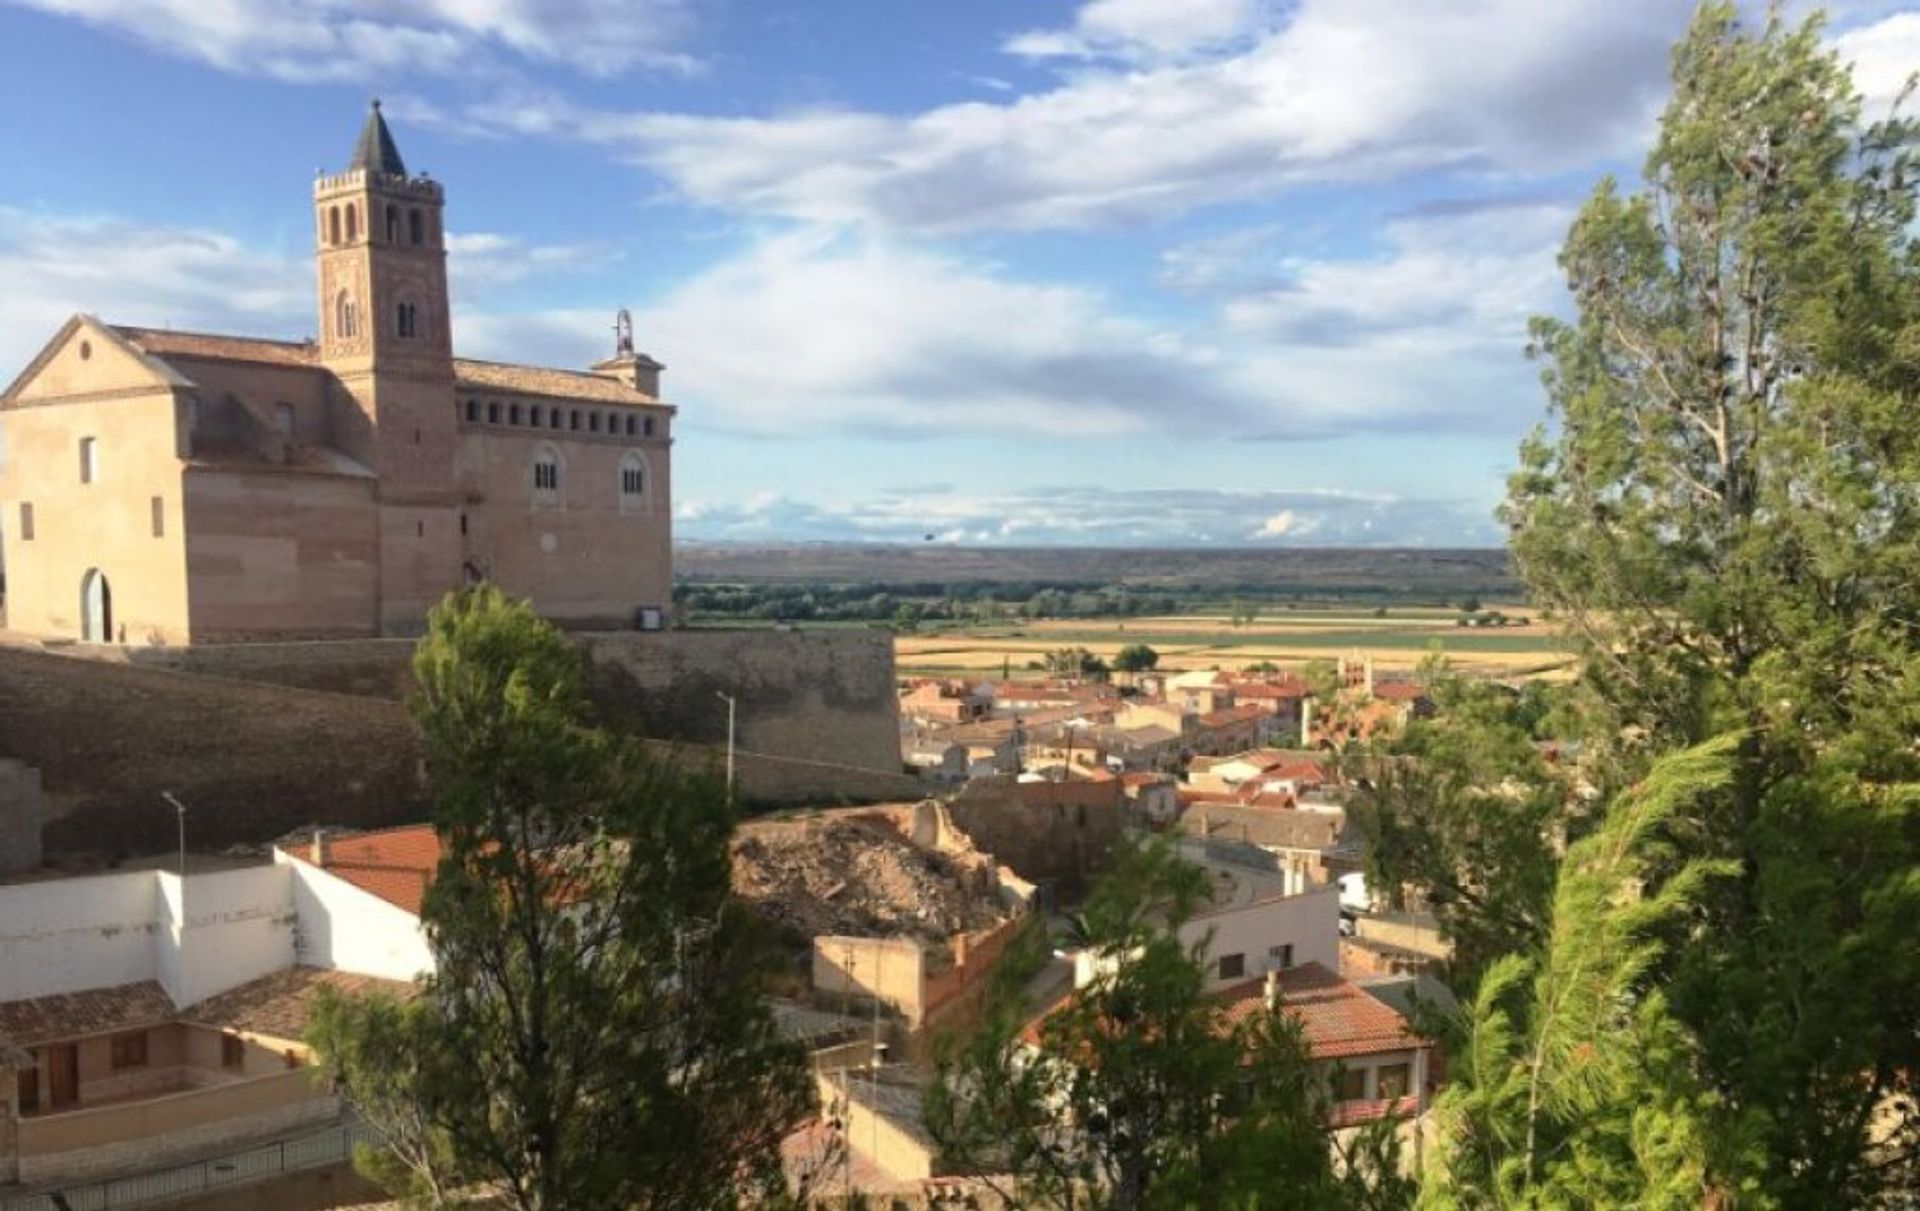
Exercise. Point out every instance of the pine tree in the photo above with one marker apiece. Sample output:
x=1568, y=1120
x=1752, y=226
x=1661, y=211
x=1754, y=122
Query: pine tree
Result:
x=1727, y=517
x=593, y=1035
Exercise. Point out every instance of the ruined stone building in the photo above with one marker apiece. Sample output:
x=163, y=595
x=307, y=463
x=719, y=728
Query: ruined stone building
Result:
x=174, y=487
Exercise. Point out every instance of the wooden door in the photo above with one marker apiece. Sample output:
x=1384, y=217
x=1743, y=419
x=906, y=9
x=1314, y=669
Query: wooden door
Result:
x=63, y=1076
x=28, y=1083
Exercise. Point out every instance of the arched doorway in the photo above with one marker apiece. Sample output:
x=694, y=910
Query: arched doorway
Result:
x=96, y=608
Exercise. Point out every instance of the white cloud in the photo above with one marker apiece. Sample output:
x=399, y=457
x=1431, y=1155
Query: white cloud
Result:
x=1344, y=90
x=1885, y=56
x=879, y=337
x=1141, y=30
x=354, y=40
x=134, y=273
x=485, y=260
x=1094, y=516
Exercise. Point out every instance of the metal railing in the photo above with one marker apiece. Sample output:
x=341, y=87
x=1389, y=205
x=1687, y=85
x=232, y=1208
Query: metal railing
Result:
x=331, y=1147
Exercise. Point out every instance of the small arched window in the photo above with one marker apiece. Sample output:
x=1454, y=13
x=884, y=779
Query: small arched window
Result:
x=553, y=419
x=593, y=422
x=533, y=415
x=353, y=222
x=407, y=320
x=473, y=409
x=493, y=414
x=630, y=426
x=393, y=224
x=513, y=414
x=633, y=482
x=415, y=228
x=89, y=459
x=333, y=225
x=647, y=427
x=345, y=322
x=546, y=474
x=573, y=419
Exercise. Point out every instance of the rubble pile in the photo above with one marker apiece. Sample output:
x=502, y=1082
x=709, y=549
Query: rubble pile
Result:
x=857, y=877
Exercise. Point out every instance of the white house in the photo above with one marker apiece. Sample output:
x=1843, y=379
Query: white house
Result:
x=144, y=1015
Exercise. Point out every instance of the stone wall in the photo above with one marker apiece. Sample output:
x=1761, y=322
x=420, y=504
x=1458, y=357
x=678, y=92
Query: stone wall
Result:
x=253, y=760
x=825, y=697
x=23, y=812
x=1056, y=834
x=250, y=760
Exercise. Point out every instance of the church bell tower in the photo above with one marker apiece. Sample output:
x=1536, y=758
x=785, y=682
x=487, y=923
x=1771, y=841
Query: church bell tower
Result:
x=380, y=248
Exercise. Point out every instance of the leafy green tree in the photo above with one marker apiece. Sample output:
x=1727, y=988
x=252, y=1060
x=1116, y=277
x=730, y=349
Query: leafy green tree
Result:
x=1139, y=1092
x=1075, y=662
x=1576, y=1086
x=1135, y=658
x=1726, y=517
x=1463, y=808
x=593, y=1035
x=385, y=1056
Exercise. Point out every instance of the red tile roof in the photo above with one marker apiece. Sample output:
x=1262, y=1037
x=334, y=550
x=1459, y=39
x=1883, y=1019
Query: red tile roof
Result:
x=161, y=343
x=75, y=1015
x=471, y=375
x=277, y=1005
x=1340, y=1020
x=395, y=864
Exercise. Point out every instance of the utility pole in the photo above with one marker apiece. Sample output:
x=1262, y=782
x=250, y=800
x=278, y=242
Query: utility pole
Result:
x=732, y=703
x=181, y=809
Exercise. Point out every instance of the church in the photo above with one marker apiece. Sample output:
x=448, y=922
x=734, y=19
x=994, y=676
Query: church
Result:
x=163, y=487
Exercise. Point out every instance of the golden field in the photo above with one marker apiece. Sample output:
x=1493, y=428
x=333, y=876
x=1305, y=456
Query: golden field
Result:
x=1398, y=640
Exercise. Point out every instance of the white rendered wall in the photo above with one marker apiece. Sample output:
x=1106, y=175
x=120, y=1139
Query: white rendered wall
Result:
x=64, y=935
x=346, y=928
x=1309, y=922
x=239, y=927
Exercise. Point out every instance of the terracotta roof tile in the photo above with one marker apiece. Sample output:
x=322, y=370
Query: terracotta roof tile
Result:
x=542, y=380
x=395, y=864
x=72, y=1015
x=161, y=342
x=278, y=1005
x=1340, y=1020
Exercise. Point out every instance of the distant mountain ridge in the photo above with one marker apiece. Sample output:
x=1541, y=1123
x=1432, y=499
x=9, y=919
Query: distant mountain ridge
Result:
x=1365, y=572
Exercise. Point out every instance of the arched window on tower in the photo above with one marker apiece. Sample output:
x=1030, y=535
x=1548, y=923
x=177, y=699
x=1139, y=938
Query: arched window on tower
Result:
x=345, y=323
x=415, y=229
x=633, y=482
x=393, y=224
x=546, y=474
x=353, y=222
x=333, y=225
x=407, y=320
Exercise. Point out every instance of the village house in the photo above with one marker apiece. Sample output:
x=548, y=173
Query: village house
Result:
x=165, y=487
x=145, y=1016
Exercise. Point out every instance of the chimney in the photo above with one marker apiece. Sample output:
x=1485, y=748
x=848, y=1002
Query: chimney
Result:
x=317, y=852
x=1273, y=990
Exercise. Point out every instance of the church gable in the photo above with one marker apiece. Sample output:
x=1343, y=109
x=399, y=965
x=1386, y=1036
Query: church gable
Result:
x=85, y=358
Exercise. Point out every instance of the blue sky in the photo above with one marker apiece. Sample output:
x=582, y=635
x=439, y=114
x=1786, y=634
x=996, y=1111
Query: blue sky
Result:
x=1231, y=272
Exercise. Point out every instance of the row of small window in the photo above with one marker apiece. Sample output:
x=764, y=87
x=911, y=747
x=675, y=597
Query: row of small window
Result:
x=633, y=474
x=572, y=419
x=346, y=318
x=345, y=220
x=157, y=506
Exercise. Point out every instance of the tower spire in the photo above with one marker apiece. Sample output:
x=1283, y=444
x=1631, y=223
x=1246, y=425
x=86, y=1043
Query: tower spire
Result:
x=375, y=151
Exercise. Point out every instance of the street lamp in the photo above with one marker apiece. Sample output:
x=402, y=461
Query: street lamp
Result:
x=732, y=703
x=181, y=809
